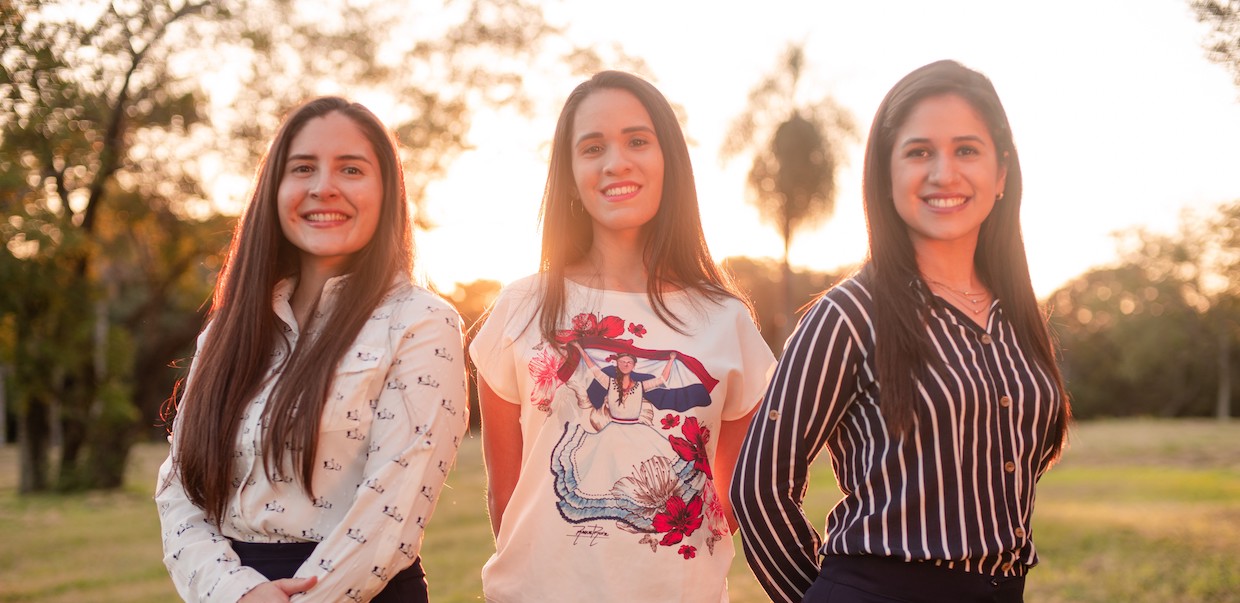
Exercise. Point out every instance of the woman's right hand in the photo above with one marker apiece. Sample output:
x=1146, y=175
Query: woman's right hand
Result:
x=279, y=591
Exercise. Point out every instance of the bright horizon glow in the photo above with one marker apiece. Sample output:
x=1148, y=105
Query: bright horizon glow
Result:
x=1120, y=120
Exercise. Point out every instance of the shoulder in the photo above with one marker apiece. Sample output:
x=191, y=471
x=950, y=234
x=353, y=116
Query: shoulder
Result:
x=518, y=299
x=849, y=301
x=406, y=303
x=523, y=287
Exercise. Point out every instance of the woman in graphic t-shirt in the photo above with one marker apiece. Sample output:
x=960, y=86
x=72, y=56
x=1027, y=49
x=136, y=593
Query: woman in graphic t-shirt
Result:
x=605, y=484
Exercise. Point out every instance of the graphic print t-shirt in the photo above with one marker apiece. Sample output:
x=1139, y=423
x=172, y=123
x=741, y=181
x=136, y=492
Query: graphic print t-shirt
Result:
x=619, y=421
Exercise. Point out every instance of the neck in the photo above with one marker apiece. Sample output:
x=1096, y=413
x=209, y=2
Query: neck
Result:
x=614, y=262
x=310, y=282
x=951, y=265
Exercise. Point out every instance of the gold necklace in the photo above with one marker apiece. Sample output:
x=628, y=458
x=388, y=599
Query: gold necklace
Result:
x=975, y=305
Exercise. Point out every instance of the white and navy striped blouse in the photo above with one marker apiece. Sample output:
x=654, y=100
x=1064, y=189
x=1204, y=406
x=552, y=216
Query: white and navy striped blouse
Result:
x=958, y=489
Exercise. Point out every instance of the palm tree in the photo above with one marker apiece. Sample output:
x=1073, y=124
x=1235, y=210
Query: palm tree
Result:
x=792, y=180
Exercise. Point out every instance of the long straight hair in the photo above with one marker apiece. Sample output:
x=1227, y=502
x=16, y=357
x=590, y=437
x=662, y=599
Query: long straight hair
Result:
x=902, y=348
x=675, y=251
x=244, y=330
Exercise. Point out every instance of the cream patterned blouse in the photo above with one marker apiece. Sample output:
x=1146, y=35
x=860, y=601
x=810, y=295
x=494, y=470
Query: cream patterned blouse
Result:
x=388, y=437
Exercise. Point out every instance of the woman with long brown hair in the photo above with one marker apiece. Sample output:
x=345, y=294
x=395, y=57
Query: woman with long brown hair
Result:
x=327, y=399
x=929, y=377
x=605, y=479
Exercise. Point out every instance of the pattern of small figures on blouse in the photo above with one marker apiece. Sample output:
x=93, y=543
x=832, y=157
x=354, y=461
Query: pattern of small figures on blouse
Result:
x=406, y=549
x=394, y=513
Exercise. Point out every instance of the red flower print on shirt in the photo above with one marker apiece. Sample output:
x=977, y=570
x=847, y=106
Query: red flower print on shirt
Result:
x=688, y=552
x=692, y=447
x=670, y=421
x=588, y=325
x=680, y=519
x=543, y=369
x=637, y=329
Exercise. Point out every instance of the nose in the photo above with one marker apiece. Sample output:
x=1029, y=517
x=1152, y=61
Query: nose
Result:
x=943, y=170
x=617, y=162
x=323, y=185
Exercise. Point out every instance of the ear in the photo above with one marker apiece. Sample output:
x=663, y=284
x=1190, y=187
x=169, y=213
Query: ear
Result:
x=1001, y=185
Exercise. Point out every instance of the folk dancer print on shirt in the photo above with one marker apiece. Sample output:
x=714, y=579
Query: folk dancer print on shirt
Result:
x=629, y=451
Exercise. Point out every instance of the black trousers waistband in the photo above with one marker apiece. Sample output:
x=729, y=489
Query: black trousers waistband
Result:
x=281, y=560
x=892, y=579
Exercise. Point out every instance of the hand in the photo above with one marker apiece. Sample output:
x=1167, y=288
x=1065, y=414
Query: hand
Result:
x=279, y=591
x=673, y=357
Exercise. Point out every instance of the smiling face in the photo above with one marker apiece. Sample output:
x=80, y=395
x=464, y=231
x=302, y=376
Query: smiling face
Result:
x=625, y=364
x=617, y=162
x=945, y=172
x=331, y=193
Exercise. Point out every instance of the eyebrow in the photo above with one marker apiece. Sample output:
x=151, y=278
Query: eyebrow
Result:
x=307, y=156
x=628, y=130
x=966, y=138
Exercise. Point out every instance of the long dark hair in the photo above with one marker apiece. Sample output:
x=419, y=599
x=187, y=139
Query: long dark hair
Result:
x=902, y=349
x=243, y=329
x=675, y=250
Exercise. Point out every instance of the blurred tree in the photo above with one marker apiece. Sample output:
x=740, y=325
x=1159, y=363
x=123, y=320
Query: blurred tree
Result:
x=1155, y=334
x=1223, y=42
x=755, y=276
x=792, y=179
x=118, y=120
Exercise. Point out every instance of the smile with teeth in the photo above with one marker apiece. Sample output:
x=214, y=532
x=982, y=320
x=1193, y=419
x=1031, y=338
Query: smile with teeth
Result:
x=944, y=202
x=617, y=191
x=326, y=216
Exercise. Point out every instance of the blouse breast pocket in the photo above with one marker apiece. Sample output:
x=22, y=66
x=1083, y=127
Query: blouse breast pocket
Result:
x=355, y=390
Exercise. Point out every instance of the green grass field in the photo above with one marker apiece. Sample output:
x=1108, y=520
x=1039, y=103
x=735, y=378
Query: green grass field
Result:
x=1139, y=511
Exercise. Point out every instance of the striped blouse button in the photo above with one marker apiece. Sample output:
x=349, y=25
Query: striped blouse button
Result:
x=1005, y=401
x=1009, y=466
x=986, y=339
x=773, y=415
x=1020, y=532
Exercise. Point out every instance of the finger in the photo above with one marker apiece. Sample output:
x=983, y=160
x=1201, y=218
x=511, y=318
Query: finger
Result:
x=292, y=586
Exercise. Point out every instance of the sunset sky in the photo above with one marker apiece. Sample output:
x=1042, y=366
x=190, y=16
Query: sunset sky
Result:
x=1120, y=120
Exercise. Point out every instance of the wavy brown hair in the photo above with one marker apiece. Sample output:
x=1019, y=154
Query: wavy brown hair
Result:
x=902, y=348
x=675, y=251
x=243, y=329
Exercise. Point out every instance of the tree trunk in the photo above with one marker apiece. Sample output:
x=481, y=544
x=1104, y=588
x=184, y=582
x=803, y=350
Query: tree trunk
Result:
x=4, y=408
x=32, y=435
x=1223, y=401
x=785, y=315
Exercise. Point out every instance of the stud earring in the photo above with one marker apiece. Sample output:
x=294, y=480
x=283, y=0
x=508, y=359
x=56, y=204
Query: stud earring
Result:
x=999, y=197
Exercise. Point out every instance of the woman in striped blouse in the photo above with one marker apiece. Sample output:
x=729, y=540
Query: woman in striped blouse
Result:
x=938, y=468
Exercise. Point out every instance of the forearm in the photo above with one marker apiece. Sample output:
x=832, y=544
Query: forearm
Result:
x=501, y=449
x=731, y=438
x=200, y=561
